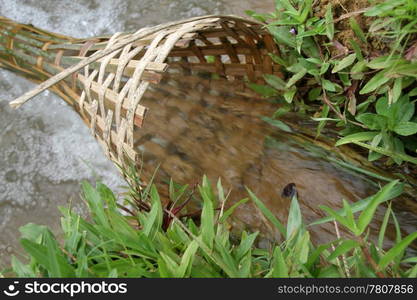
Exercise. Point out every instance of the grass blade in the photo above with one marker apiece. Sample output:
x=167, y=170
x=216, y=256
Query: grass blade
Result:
x=344, y=247
x=368, y=213
x=267, y=213
x=396, y=250
x=295, y=220
x=280, y=269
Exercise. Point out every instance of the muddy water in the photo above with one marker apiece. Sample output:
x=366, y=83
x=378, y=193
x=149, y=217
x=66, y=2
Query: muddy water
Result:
x=44, y=154
x=191, y=130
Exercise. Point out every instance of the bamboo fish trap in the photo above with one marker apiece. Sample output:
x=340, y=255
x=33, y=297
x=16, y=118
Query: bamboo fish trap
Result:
x=105, y=78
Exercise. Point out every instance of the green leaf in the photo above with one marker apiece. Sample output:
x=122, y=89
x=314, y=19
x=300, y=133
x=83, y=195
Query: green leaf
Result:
x=315, y=256
x=207, y=215
x=328, y=85
x=382, y=8
x=368, y=213
x=406, y=128
x=344, y=247
x=357, y=137
x=372, y=156
x=295, y=221
x=349, y=216
x=282, y=35
x=359, y=67
x=278, y=60
x=302, y=248
x=388, y=152
x=410, y=260
x=329, y=272
x=357, y=30
x=259, y=17
x=413, y=92
x=187, y=259
x=49, y=257
x=106, y=195
x=275, y=82
x=396, y=90
x=246, y=243
x=412, y=273
x=231, y=209
x=344, y=63
x=58, y=266
x=153, y=220
x=344, y=77
x=263, y=90
x=405, y=110
x=277, y=123
x=95, y=204
x=382, y=62
x=335, y=215
x=314, y=94
x=396, y=250
x=375, y=82
x=382, y=107
x=322, y=123
x=279, y=269
x=398, y=148
x=281, y=111
x=405, y=69
x=267, y=213
x=363, y=203
x=381, y=235
x=287, y=5
x=20, y=269
x=289, y=95
x=400, y=111
x=33, y=232
x=373, y=121
x=358, y=51
x=329, y=22
x=324, y=67
x=305, y=11
x=297, y=76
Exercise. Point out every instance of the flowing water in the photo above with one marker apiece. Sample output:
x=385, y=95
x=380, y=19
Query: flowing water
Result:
x=45, y=149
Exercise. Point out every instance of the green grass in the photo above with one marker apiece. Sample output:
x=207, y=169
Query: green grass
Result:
x=363, y=93
x=155, y=241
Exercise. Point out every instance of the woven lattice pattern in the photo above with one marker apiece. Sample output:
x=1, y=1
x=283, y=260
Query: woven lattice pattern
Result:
x=105, y=78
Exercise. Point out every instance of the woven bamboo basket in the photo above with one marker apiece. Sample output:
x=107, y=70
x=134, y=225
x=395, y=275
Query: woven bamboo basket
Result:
x=105, y=78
